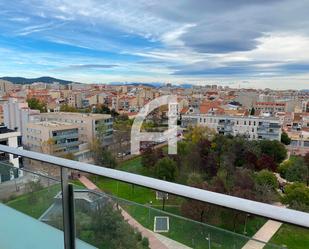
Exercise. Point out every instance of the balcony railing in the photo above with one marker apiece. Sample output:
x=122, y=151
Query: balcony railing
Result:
x=64, y=198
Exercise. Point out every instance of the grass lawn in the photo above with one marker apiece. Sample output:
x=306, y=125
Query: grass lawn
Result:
x=35, y=204
x=128, y=191
x=291, y=236
x=185, y=231
x=181, y=229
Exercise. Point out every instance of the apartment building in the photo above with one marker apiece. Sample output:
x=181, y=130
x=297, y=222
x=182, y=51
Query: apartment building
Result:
x=5, y=86
x=17, y=114
x=52, y=137
x=10, y=138
x=87, y=123
x=270, y=107
x=249, y=126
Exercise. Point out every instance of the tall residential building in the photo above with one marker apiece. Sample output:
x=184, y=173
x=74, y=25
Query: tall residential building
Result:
x=5, y=86
x=18, y=114
x=10, y=138
x=249, y=126
x=87, y=123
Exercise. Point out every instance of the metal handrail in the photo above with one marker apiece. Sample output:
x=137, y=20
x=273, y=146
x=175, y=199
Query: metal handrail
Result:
x=257, y=208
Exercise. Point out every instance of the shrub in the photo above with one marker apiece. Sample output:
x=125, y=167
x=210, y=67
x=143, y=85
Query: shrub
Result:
x=266, y=178
x=145, y=242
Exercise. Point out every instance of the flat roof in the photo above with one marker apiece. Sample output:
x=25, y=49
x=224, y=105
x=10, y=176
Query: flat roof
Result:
x=77, y=114
x=55, y=124
x=19, y=231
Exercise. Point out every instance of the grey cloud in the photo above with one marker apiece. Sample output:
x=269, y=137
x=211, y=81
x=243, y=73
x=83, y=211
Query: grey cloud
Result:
x=93, y=66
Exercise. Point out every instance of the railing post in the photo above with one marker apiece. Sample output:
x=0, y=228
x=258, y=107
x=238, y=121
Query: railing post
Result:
x=68, y=210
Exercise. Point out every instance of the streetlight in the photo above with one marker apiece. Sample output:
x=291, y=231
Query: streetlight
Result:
x=208, y=238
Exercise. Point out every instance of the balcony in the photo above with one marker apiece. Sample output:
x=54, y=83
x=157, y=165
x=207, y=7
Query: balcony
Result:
x=58, y=212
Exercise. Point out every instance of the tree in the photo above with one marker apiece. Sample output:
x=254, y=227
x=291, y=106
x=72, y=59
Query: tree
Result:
x=194, y=179
x=36, y=104
x=197, y=210
x=166, y=169
x=67, y=108
x=274, y=148
x=306, y=158
x=294, y=169
x=101, y=108
x=32, y=187
x=69, y=156
x=243, y=184
x=297, y=196
x=266, y=178
x=102, y=156
x=150, y=156
x=266, y=162
x=109, y=228
x=285, y=138
x=101, y=131
x=198, y=132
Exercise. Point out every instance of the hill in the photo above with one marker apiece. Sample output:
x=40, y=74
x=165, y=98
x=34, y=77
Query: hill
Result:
x=21, y=80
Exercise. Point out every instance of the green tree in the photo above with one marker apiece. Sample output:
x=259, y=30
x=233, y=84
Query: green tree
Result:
x=297, y=196
x=110, y=229
x=306, y=158
x=294, y=169
x=150, y=156
x=100, y=108
x=67, y=108
x=166, y=169
x=274, y=148
x=285, y=138
x=36, y=104
x=266, y=178
x=102, y=156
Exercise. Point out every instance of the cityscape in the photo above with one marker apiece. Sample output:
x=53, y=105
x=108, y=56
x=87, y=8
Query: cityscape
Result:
x=214, y=94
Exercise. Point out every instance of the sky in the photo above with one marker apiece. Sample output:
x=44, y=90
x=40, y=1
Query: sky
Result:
x=239, y=43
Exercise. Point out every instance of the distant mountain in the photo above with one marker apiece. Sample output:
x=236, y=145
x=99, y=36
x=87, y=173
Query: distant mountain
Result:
x=153, y=84
x=21, y=80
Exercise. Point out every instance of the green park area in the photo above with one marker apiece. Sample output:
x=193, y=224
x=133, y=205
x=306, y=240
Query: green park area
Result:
x=226, y=165
x=35, y=203
x=291, y=237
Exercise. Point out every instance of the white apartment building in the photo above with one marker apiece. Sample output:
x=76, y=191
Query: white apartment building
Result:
x=10, y=138
x=252, y=127
x=18, y=114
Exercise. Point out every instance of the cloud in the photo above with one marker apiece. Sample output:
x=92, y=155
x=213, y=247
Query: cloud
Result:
x=172, y=40
x=93, y=66
x=86, y=67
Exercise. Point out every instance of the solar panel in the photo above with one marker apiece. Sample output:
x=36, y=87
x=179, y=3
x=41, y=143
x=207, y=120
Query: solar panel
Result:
x=161, y=224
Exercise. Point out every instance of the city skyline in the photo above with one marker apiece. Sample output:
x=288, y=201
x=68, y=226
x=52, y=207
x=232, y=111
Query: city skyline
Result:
x=247, y=44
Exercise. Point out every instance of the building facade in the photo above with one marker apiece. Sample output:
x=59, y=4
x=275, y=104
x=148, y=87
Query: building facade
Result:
x=51, y=137
x=88, y=123
x=251, y=127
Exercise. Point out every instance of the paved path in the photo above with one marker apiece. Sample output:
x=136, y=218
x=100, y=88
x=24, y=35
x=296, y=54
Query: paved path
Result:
x=265, y=233
x=156, y=241
x=88, y=184
x=171, y=244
